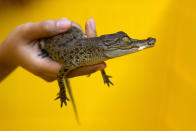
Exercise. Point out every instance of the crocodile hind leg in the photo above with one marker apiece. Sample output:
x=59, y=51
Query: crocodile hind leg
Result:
x=106, y=78
x=62, y=93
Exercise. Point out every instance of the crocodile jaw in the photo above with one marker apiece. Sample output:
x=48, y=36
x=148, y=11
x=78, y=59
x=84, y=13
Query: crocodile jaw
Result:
x=119, y=52
x=136, y=45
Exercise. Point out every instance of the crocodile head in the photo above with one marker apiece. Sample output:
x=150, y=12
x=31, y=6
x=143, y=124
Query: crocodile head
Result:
x=120, y=44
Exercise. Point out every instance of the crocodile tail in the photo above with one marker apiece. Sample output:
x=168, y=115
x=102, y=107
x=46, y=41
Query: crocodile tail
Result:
x=72, y=99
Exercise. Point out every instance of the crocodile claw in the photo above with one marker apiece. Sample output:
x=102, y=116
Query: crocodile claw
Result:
x=107, y=80
x=63, y=98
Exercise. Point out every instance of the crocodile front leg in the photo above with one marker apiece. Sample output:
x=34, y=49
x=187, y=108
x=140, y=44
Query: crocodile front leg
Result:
x=62, y=93
x=106, y=78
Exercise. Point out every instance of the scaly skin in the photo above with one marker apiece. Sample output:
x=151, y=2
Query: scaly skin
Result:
x=73, y=49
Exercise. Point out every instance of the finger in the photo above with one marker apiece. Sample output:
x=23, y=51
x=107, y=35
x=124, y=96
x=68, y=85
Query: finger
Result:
x=47, y=28
x=90, y=28
x=48, y=78
x=49, y=67
x=86, y=70
x=76, y=25
x=38, y=65
x=73, y=23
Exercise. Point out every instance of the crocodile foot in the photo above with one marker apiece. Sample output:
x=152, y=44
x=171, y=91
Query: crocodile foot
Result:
x=106, y=78
x=63, y=97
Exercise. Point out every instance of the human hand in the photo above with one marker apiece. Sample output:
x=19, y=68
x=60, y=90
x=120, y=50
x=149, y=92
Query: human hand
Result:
x=20, y=48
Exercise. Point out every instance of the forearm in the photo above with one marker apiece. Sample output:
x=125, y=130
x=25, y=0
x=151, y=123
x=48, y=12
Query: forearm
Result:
x=6, y=67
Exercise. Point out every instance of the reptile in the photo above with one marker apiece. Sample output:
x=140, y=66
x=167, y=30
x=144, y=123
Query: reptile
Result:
x=73, y=49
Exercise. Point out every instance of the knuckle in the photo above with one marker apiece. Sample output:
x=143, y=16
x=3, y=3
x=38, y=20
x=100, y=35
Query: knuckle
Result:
x=22, y=31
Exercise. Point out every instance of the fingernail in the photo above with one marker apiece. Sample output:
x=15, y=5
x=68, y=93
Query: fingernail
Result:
x=92, y=24
x=63, y=24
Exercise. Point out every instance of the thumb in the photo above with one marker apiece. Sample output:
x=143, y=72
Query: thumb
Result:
x=47, y=28
x=90, y=28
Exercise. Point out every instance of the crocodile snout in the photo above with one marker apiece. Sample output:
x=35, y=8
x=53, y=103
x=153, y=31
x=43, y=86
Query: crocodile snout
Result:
x=151, y=41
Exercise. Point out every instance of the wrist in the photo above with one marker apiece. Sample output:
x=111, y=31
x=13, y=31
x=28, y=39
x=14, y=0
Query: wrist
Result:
x=6, y=66
x=6, y=56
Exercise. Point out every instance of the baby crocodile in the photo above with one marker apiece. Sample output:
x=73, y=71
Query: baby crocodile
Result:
x=73, y=49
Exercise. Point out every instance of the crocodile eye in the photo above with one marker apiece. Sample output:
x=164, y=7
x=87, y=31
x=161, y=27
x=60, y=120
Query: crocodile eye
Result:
x=125, y=39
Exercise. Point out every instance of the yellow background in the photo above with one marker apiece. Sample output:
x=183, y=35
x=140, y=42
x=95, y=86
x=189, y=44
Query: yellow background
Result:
x=155, y=89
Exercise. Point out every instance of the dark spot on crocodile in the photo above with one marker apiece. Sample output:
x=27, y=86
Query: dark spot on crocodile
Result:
x=65, y=51
x=81, y=53
x=74, y=37
x=70, y=63
x=61, y=57
x=50, y=57
x=77, y=60
x=65, y=70
x=88, y=52
x=52, y=50
x=71, y=57
x=69, y=40
x=58, y=53
x=59, y=45
x=77, y=57
x=78, y=31
x=90, y=49
x=76, y=49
